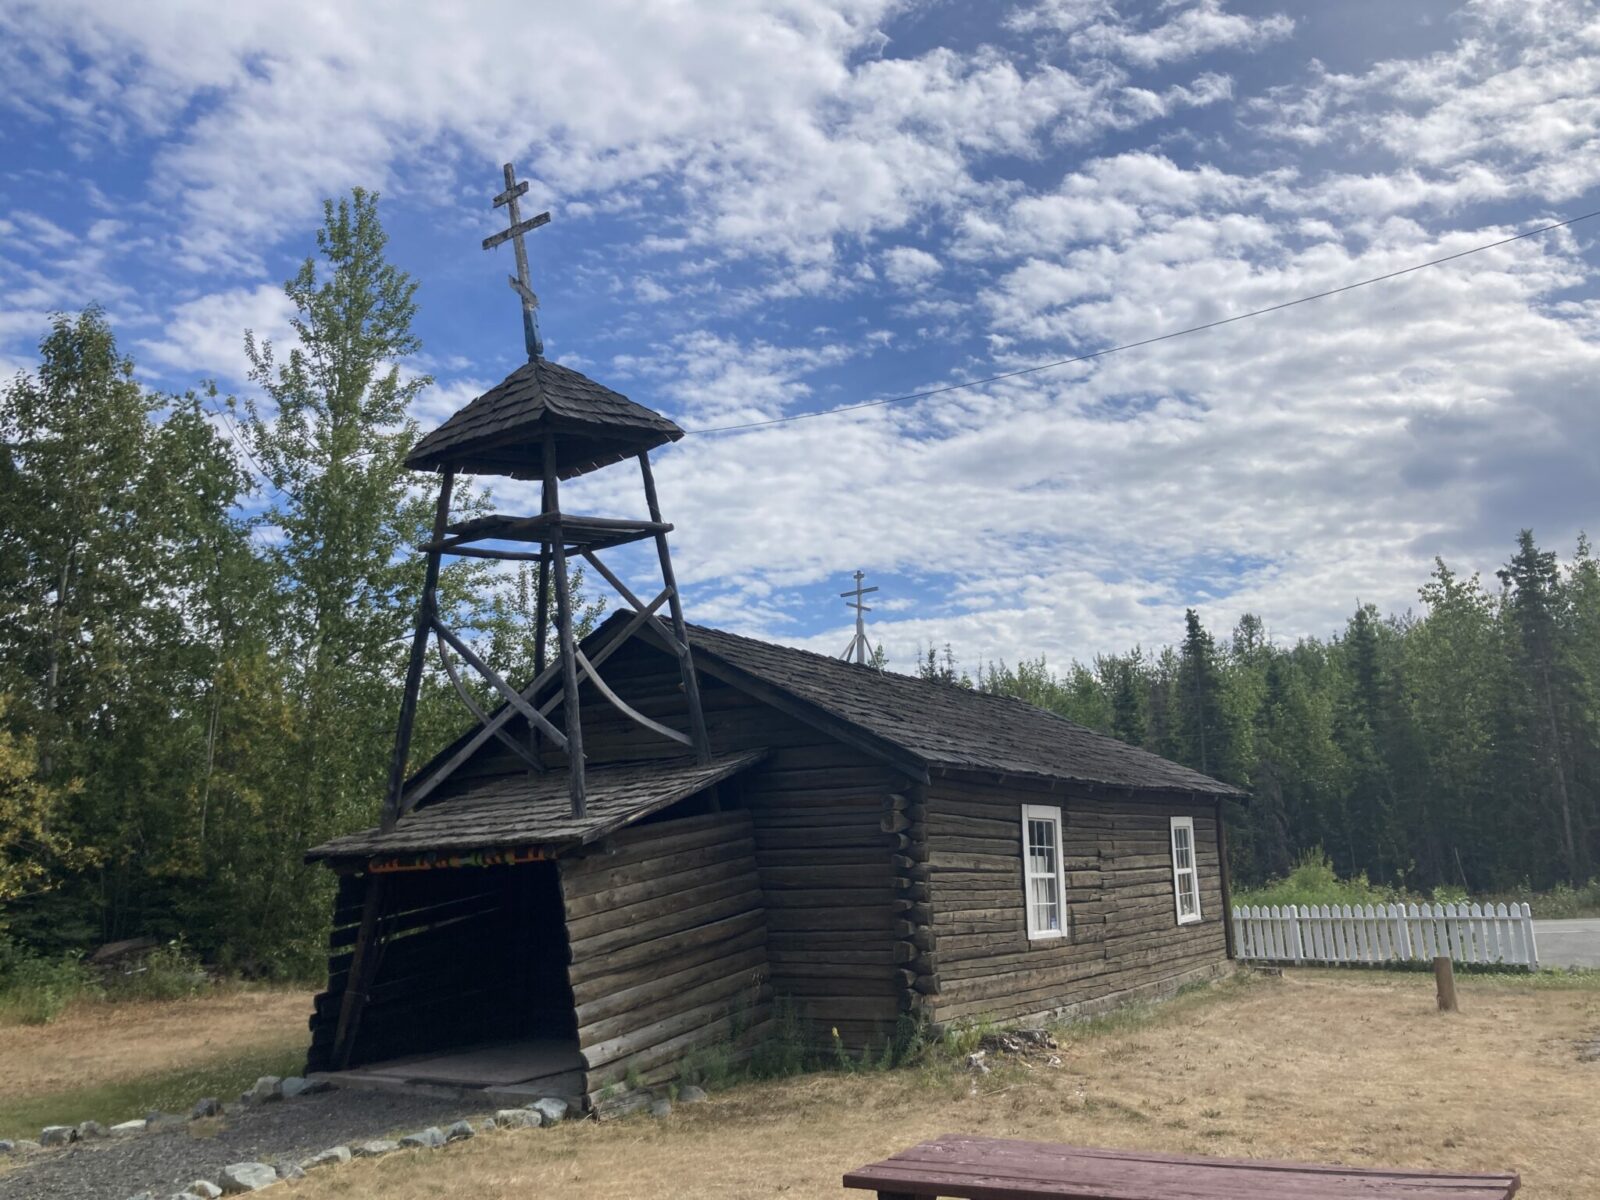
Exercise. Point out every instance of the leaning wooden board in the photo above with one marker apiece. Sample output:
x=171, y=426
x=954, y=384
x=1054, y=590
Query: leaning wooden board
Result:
x=978, y=1168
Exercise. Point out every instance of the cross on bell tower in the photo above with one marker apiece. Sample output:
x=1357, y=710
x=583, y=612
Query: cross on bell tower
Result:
x=520, y=283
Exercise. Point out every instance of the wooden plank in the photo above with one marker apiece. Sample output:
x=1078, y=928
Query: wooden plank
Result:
x=1002, y=1169
x=665, y=903
x=597, y=987
x=583, y=969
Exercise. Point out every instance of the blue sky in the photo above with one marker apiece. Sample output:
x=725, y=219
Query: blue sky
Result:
x=763, y=209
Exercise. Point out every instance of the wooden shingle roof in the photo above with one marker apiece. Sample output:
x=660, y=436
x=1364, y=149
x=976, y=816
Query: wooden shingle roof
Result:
x=515, y=810
x=948, y=726
x=501, y=432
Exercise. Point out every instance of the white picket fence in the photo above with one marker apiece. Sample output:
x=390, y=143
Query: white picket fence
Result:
x=1383, y=933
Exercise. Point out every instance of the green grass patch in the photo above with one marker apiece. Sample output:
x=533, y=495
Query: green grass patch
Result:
x=1554, y=979
x=35, y=990
x=169, y=1091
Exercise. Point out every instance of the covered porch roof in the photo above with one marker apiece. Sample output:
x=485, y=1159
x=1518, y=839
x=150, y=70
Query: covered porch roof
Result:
x=518, y=811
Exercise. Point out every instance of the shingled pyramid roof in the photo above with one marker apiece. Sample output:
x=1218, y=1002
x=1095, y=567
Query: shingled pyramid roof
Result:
x=502, y=431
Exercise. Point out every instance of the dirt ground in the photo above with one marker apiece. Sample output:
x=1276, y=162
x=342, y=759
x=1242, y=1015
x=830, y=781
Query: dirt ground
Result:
x=1328, y=1066
x=97, y=1044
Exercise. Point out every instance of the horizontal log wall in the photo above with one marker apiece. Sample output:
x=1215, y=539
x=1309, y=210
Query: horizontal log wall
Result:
x=1123, y=933
x=823, y=848
x=668, y=941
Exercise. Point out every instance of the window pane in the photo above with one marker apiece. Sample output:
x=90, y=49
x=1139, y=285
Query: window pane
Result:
x=1041, y=848
x=1188, y=901
x=1045, y=903
x=1182, y=851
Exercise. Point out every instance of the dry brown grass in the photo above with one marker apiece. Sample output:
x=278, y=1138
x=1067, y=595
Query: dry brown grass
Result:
x=97, y=1044
x=1337, y=1067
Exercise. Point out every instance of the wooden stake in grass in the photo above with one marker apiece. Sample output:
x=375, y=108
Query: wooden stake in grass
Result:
x=1444, y=976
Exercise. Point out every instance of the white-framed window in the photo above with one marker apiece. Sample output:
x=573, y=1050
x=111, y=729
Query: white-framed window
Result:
x=1185, y=879
x=1044, y=889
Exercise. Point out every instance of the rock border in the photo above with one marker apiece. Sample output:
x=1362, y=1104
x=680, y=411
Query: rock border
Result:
x=244, y=1177
x=265, y=1090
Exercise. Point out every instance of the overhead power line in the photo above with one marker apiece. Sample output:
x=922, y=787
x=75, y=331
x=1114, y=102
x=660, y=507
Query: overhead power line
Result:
x=1149, y=341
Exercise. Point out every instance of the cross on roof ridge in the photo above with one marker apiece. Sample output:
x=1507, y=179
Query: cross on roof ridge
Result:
x=858, y=644
x=520, y=282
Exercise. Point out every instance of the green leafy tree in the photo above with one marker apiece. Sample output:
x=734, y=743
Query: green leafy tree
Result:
x=330, y=430
x=118, y=531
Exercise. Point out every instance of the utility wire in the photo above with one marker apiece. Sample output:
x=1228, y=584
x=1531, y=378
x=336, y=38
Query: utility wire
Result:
x=1149, y=341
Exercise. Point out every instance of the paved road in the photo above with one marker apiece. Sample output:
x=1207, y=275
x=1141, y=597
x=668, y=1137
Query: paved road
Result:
x=1568, y=943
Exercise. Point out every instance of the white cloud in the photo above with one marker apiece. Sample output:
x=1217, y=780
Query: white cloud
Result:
x=1510, y=109
x=907, y=266
x=205, y=336
x=1098, y=28
x=775, y=123
x=777, y=166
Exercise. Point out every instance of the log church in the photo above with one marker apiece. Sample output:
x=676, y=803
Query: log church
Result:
x=670, y=832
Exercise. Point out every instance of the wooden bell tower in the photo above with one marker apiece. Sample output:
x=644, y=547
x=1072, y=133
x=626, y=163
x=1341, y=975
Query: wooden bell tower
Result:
x=546, y=422
x=549, y=423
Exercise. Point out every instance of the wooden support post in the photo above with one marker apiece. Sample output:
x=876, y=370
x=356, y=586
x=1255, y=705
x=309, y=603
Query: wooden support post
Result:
x=1227, y=882
x=569, y=657
x=691, y=684
x=1444, y=976
x=426, y=611
x=541, y=610
x=363, y=960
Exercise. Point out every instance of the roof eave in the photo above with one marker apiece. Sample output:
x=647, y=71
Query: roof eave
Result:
x=1220, y=791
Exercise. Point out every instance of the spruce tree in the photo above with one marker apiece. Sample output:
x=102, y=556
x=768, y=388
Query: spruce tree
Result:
x=1535, y=605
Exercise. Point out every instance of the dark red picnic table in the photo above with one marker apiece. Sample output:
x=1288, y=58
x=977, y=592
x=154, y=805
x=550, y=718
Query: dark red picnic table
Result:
x=979, y=1168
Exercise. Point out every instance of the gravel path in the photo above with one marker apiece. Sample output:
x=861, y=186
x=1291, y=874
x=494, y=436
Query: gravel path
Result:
x=169, y=1160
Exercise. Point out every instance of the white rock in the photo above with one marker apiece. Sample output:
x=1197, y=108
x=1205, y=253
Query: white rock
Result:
x=689, y=1094
x=129, y=1128
x=329, y=1157
x=246, y=1177
x=204, y=1187
x=268, y=1087
x=295, y=1086
x=518, y=1118
x=90, y=1129
x=460, y=1131
x=57, y=1135
x=375, y=1148
x=551, y=1108
x=424, y=1139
